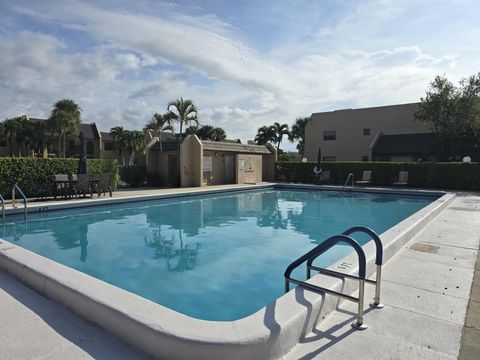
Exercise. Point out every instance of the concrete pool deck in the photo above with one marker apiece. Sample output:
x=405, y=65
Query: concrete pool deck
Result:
x=422, y=319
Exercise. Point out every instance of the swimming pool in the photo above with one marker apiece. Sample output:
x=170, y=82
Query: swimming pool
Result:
x=212, y=257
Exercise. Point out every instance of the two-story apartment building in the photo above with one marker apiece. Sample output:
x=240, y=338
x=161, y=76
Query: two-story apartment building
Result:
x=383, y=133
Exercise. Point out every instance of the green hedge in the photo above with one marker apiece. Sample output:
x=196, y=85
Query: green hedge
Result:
x=454, y=176
x=19, y=170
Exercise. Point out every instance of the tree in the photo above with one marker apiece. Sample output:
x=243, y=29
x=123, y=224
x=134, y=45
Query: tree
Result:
x=280, y=130
x=40, y=138
x=185, y=112
x=11, y=128
x=454, y=114
x=298, y=133
x=159, y=124
x=65, y=118
x=218, y=134
x=191, y=130
x=120, y=139
x=134, y=143
x=265, y=134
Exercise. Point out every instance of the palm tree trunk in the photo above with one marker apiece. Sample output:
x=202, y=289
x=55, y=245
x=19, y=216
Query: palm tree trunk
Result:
x=60, y=145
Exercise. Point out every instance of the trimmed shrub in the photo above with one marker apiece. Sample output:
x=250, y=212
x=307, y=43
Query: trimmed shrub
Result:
x=20, y=170
x=452, y=175
x=134, y=175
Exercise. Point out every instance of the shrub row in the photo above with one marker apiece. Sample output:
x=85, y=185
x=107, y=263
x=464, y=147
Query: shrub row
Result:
x=20, y=170
x=454, y=176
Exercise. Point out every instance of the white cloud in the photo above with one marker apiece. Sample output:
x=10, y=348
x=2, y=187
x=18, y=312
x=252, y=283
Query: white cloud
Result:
x=127, y=75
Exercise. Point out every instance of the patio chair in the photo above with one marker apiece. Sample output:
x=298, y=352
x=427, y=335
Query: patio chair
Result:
x=105, y=184
x=366, y=178
x=40, y=189
x=402, y=179
x=60, y=183
x=324, y=177
x=82, y=185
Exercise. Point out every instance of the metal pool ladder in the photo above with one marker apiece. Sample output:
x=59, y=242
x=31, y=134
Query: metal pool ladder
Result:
x=350, y=176
x=25, y=201
x=310, y=256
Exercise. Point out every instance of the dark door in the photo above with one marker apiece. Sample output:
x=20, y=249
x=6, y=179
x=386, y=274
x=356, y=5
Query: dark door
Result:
x=173, y=179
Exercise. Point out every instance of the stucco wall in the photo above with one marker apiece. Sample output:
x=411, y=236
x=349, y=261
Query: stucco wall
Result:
x=191, y=162
x=249, y=168
x=268, y=164
x=351, y=143
x=217, y=175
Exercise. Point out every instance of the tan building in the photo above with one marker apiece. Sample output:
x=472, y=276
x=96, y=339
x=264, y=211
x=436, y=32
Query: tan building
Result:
x=205, y=163
x=384, y=133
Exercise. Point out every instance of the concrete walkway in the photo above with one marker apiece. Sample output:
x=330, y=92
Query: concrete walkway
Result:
x=425, y=289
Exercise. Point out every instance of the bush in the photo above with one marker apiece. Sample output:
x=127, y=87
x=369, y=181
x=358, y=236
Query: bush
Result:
x=454, y=176
x=134, y=175
x=19, y=170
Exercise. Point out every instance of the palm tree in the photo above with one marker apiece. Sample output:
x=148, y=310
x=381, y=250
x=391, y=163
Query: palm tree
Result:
x=66, y=119
x=298, y=133
x=280, y=130
x=186, y=113
x=159, y=124
x=183, y=111
x=120, y=138
x=135, y=142
x=11, y=128
x=265, y=134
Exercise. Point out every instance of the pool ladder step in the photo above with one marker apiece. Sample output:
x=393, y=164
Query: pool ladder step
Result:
x=313, y=254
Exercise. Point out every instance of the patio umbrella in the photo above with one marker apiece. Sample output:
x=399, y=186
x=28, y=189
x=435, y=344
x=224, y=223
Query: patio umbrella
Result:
x=82, y=162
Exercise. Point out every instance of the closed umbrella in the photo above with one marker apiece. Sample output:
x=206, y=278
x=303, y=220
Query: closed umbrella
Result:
x=82, y=162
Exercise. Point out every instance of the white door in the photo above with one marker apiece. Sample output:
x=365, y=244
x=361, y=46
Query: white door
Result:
x=229, y=169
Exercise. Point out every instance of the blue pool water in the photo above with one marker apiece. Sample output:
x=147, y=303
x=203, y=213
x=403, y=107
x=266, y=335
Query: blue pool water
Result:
x=213, y=257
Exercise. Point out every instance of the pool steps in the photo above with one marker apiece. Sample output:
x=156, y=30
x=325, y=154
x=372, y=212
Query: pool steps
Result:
x=313, y=254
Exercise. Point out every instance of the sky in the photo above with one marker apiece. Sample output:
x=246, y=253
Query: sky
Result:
x=244, y=63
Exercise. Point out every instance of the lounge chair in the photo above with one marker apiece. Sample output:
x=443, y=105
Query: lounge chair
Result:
x=324, y=177
x=60, y=183
x=41, y=190
x=402, y=179
x=366, y=178
x=105, y=184
x=82, y=185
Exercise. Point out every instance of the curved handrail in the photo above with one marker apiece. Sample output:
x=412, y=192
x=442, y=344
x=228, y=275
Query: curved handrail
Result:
x=25, y=201
x=375, y=238
x=378, y=260
x=350, y=176
x=326, y=245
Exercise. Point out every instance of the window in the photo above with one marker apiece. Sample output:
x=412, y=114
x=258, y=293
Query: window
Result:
x=3, y=142
x=365, y=158
x=330, y=135
x=366, y=132
x=108, y=146
x=329, y=158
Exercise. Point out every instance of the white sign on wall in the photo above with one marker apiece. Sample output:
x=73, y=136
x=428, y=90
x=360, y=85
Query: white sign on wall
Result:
x=207, y=163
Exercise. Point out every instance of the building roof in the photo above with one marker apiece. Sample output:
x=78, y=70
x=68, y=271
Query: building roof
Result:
x=422, y=143
x=412, y=106
x=89, y=130
x=234, y=147
x=106, y=136
x=166, y=145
